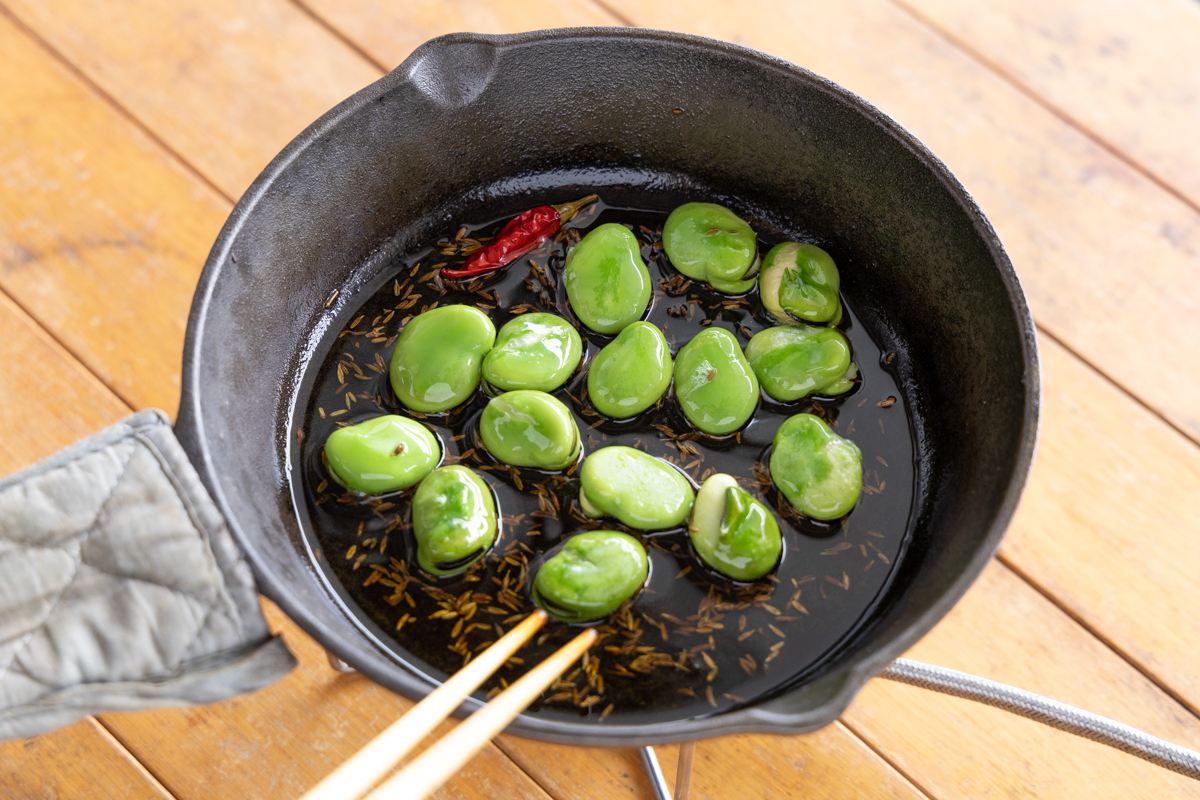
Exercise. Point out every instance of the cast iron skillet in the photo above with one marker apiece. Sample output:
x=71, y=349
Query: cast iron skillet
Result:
x=470, y=127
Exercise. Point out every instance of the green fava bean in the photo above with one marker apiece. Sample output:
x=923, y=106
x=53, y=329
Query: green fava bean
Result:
x=591, y=576
x=714, y=383
x=733, y=532
x=530, y=429
x=384, y=454
x=800, y=281
x=795, y=362
x=819, y=472
x=454, y=520
x=607, y=281
x=533, y=351
x=436, y=363
x=631, y=372
x=640, y=490
x=710, y=243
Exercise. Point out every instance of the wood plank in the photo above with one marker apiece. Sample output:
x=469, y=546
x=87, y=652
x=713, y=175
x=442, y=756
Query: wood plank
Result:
x=279, y=741
x=1108, y=525
x=102, y=234
x=1072, y=216
x=1127, y=72
x=225, y=83
x=831, y=762
x=978, y=739
x=389, y=32
x=79, y=761
x=48, y=400
x=1005, y=631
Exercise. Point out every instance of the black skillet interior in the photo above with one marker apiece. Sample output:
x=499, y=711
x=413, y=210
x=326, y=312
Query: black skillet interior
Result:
x=473, y=127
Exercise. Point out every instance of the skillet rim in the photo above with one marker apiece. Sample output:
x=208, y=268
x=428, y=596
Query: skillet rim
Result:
x=843, y=682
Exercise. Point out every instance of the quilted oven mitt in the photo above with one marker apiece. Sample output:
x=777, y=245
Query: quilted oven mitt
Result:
x=121, y=587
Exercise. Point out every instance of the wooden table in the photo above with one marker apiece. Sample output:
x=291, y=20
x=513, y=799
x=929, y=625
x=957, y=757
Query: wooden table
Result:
x=128, y=129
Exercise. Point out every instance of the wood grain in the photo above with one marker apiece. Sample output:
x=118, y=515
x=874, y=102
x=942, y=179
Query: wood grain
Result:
x=1060, y=202
x=280, y=741
x=831, y=762
x=1073, y=217
x=225, y=83
x=1005, y=631
x=102, y=235
x=48, y=400
x=1127, y=72
x=388, y=32
x=1108, y=525
x=79, y=762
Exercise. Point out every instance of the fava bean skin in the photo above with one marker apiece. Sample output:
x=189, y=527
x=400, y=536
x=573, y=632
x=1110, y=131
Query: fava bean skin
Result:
x=530, y=429
x=631, y=372
x=819, y=472
x=384, y=454
x=715, y=385
x=640, y=490
x=607, y=282
x=436, y=363
x=533, y=351
x=591, y=576
x=708, y=242
x=794, y=362
x=732, y=532
x=800, y=282
x=454, y=520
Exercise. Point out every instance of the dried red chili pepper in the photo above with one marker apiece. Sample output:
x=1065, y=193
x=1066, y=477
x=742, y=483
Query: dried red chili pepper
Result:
x=522, y=233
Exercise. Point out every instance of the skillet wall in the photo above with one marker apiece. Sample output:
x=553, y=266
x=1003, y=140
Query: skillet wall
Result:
x=474, y=127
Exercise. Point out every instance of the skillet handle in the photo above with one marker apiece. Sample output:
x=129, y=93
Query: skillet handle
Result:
x=123, y=588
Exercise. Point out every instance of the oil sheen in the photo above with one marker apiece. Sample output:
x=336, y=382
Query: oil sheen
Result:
x=691, y=643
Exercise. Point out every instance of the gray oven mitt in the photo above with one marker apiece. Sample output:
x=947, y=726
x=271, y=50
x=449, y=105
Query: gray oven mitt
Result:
x=121, y=587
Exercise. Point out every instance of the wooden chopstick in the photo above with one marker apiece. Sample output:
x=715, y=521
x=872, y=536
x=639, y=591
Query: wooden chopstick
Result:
x=432, y=768
x=366, y=767
x=683, y=772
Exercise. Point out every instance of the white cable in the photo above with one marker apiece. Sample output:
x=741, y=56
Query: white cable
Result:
x=1048, y=712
